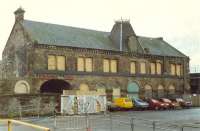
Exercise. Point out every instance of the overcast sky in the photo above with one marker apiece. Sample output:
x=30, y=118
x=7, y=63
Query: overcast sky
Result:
x=177, y=21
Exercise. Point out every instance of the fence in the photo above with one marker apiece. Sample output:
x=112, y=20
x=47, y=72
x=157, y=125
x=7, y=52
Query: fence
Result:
x=116, y=123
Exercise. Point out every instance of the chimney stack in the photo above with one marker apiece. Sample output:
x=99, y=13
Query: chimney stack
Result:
x=19, y=15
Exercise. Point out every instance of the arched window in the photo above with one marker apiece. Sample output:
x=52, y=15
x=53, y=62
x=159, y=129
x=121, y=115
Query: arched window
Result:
x=22, y=87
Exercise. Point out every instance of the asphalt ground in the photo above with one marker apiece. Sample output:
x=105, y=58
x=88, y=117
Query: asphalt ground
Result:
x=168, y=120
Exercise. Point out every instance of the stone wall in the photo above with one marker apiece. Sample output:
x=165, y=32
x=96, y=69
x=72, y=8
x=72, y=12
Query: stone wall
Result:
x=27, y=105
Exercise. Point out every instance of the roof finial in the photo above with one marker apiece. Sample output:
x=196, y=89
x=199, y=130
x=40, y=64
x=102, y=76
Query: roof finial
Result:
x=19, y=14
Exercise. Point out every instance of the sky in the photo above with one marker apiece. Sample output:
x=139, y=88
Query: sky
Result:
x=177, y=21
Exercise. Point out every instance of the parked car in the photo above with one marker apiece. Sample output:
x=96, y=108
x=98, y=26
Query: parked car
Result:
x=172, y=105
x=156, y=105
x=140, y=104
x=182, y=103
x=121, y=103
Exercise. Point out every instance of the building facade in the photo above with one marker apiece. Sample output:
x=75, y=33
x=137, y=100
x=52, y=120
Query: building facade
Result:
x=47, y=58
x=195, y=83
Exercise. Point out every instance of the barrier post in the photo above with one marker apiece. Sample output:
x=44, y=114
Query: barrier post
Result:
x=9, y=125
x=110, y=122
x=132, y=124
x=154, y=125
x=182, y=128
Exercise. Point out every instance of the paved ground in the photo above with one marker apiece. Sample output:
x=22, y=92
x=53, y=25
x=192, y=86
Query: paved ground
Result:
x=121, y=121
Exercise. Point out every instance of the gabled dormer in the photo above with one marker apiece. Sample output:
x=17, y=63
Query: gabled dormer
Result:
x=123, y=35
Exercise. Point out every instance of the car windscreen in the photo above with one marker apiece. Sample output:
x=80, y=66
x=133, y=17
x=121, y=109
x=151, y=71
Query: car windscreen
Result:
x=166, y=100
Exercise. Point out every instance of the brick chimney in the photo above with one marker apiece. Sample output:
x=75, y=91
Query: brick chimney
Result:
x=19, y=15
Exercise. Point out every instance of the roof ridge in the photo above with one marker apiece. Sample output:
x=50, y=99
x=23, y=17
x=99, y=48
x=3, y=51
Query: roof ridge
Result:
x=66, y=26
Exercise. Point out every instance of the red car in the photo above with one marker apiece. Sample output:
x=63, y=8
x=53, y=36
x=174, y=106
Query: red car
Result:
x=156, y=105
x=171, y=104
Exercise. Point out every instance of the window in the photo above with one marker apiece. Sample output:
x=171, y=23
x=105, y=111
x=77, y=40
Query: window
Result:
x=106, y=65
x=143, y=68
x=84, y=64
x=109, y=65
x=132, y=68
x=51, y=62
x=178, y=70
x=173, y=69
x=158, y=68
x=80, y=64
x=56, y=62
x=153, y=68
x=113, y=66
x=61, y=63
x=88, y=64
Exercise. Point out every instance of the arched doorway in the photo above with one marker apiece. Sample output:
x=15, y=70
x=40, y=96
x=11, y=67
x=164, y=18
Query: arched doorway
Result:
x=161, y=92
x=55, y=86
x=148, y=91
x=171, y=91
x=133, y=90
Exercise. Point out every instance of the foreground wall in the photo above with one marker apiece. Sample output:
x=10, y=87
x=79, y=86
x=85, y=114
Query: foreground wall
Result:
x=21, y=105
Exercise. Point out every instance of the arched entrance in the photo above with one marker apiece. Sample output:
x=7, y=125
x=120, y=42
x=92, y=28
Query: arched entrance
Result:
x=133, y=90
x=55, y=86
x=148, y=91
x=171, y=91
x=161, y=92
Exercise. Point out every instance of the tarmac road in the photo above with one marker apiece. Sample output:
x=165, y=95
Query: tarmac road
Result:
x=169, y=120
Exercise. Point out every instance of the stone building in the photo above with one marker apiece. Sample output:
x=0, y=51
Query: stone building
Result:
x=47, y=58
x=195, y=83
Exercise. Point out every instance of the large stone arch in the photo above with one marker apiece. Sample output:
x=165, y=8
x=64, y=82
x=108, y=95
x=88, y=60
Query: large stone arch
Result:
x=171, y=90
x=55, y=86
x=148, y=92
x=22, y=87
x=133, y=89
x=160, y=91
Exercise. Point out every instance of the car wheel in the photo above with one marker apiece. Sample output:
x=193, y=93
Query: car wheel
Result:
x=156, y=108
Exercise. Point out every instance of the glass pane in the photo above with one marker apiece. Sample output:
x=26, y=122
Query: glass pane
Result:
x=80, y=64
x=132, y=70
x=173, y=69
x=61, y=63
x=113, y=66
x=105, y=65
x=153, y=68
x=159, y=68
x=178, y=70
x=51, y=62
x=88, y=64
x=143, y=68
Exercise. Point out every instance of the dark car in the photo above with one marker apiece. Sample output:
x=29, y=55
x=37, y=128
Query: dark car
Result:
x=156, y=105
x=140, y=104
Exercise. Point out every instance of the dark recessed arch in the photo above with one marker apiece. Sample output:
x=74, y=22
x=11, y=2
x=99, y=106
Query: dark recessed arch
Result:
x=55, y=86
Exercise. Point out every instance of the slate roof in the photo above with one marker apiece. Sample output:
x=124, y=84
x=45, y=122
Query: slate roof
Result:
x=158, y=46
x=53, y=34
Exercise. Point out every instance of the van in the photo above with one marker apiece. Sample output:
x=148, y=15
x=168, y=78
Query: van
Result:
x=123, y=103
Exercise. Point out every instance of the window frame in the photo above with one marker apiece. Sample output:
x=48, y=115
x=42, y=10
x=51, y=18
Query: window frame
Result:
x=84, y=64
